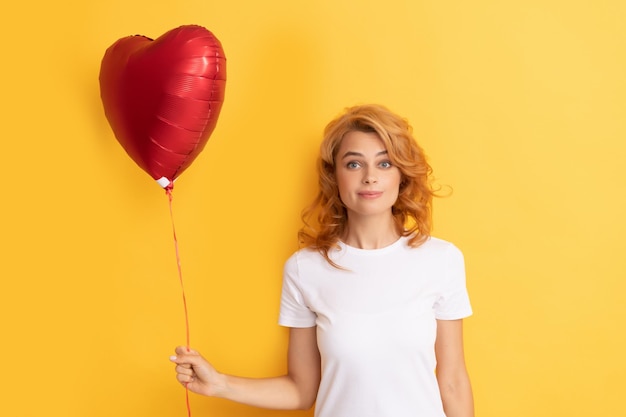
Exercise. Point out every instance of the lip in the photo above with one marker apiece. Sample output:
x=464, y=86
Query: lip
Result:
x=370, y=194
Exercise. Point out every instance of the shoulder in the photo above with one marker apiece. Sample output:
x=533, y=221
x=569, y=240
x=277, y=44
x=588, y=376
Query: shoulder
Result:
x=441, y=246
x=304, y=256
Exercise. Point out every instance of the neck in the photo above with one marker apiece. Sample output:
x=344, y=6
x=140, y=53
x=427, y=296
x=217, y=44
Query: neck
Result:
x=371, y=233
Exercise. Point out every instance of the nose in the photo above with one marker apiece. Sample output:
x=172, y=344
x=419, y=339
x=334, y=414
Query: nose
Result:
x=369, y=178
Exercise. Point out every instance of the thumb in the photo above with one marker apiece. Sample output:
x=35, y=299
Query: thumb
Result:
x=185, y=350
x=184, y=354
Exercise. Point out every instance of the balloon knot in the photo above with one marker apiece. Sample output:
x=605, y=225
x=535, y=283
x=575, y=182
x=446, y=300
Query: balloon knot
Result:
x=168, y=191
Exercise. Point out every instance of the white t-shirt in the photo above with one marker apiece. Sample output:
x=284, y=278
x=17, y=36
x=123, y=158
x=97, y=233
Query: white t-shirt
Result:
x=376, y=323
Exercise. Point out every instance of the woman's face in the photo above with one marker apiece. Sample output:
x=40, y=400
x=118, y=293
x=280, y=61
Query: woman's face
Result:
x=368, y=183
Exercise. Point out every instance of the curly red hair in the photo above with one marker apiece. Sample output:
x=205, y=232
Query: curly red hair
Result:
x=412, y=210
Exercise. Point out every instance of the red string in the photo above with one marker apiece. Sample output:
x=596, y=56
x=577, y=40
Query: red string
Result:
x=168, y=191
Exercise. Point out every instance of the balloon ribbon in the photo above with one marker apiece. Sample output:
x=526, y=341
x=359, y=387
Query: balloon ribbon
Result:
x=168, y=191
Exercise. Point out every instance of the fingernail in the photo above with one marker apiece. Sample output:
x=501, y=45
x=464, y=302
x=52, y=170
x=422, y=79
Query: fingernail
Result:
x=172, y=358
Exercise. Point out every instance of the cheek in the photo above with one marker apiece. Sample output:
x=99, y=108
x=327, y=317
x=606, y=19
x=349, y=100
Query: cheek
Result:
x=395, y=195
x=344, y=181
x=395, y=182
x=341, y=185
x=395, y=179
x=342, y=189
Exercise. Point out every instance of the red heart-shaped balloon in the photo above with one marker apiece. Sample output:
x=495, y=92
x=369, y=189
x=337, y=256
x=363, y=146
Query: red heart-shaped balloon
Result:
x=163, y=97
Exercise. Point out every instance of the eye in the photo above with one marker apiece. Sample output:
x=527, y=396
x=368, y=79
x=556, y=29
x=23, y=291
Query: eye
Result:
x=353, y=165
x=385, y=164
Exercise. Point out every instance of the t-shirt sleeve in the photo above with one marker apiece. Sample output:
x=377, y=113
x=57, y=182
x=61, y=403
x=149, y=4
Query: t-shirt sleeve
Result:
x=294, y=311
x=453, y=302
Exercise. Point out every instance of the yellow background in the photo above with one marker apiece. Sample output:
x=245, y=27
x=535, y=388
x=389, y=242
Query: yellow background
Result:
x=520, y=105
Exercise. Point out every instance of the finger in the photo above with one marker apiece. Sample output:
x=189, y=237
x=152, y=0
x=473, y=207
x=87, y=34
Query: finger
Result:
x=183, y=350
x=185, y=379
x=191, y=357
x=184, y=369
x=181, y=360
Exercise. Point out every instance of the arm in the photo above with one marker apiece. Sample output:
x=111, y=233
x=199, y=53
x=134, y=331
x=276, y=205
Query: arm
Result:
x=295, y=390
x=452, y=376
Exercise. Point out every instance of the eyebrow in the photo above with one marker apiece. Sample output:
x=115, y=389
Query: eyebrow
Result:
x=352, y=153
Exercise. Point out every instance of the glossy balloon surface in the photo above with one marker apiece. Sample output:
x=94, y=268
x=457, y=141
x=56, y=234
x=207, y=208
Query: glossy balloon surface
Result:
x=163, y=97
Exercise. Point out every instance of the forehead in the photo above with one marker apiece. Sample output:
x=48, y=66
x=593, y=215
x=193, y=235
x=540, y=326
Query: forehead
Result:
x=362, y=142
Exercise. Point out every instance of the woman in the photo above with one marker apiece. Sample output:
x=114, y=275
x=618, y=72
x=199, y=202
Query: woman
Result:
x=373, y=302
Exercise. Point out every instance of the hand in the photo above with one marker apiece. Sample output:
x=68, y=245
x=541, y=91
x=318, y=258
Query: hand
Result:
x=195, y=373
